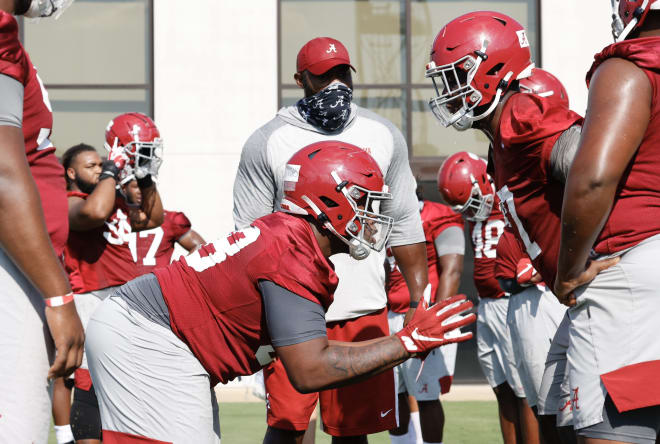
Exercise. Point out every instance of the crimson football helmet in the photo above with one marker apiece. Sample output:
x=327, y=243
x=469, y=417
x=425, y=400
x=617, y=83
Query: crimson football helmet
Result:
x=474, y=59
x=140, y=138
x=341, y=186
x=466, y=186
x=627, y=15
x=544, y=84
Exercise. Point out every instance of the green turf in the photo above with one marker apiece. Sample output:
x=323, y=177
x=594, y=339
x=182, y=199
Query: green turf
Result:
x=466, y=423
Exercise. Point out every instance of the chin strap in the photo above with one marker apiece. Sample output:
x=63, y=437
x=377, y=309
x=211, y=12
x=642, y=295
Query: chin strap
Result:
x=500, y=89
x=355, y=248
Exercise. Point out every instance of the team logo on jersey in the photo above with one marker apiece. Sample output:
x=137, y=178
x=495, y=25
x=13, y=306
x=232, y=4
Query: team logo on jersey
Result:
x=522, y=39
x=331, y=48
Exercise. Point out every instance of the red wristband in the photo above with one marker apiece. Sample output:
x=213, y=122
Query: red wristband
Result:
x=57, y=301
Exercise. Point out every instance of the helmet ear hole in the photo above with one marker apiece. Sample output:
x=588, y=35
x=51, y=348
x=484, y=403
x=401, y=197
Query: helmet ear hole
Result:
x=495, y=69
x=328, y=202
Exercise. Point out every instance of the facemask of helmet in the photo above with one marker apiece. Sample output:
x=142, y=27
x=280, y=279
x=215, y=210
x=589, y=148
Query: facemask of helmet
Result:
x=456, y=98
x=367, y=230
x=47, y=8
x=478, y=207
x=627, y=15
x=143, y=158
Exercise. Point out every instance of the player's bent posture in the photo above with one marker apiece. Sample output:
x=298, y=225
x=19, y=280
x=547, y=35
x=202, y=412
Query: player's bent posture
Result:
x=159, y=344
x=445, y=247
x=612, y=208
x=101, y=252
x=34, y=293
x=533, y=136
x=326, y=112
x=464, y=183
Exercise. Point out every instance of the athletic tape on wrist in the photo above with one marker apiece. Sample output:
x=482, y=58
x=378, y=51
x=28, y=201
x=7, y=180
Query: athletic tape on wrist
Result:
x=414, y=304
x=57, y=301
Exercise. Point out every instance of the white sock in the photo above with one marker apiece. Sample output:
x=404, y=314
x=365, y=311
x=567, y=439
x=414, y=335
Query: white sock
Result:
x=63, y=434
x=403, y=439
x=414, y=419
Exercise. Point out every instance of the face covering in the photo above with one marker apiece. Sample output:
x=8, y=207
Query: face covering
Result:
x=328, y=109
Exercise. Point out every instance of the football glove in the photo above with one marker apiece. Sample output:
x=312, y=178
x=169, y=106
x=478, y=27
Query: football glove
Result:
x=437, y=325
x=117, y=155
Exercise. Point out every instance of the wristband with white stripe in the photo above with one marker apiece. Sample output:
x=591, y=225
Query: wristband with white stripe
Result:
x=58, y=301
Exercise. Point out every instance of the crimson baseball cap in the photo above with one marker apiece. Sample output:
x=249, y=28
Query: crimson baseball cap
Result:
x=321, y=54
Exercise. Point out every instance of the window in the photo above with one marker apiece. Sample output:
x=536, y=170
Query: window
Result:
x=96, y=61
x=389, y=43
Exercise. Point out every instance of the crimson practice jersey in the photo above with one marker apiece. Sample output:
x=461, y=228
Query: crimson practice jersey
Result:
x=532, y=199
x=635, y=215
x=47, y=172
x=435, y=219
x=509, y=253
x=101, y=257
x=213, y=296
x=153, y=248
x=485, y=236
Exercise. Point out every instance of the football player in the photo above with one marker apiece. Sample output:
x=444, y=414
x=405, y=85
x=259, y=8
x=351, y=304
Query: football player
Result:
x=612, y=209
x=37, y=315
x=154, y=247
x=99, y=254
x=445, y=247
x=327, y=112
x=465, y=185
x=222, y=311
x=533, y=137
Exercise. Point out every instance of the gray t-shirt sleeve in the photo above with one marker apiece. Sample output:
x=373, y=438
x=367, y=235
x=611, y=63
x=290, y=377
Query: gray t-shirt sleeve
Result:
x=450, y=241
x=563, y=152
x=404, y=206
x=11, y=105
x=254, y=186
x=291, y=319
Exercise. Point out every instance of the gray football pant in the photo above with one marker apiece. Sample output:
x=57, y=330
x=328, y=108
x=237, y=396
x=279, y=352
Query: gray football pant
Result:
x=147, y=380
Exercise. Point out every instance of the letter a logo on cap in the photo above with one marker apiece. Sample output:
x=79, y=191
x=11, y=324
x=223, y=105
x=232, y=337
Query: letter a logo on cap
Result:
x=332, y=49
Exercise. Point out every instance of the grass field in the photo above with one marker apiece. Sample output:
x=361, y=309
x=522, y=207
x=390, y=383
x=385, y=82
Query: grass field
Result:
x=466, y=423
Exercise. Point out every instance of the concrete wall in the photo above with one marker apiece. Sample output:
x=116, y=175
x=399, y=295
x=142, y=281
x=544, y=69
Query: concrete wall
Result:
x=572, y=32
x=215, y=83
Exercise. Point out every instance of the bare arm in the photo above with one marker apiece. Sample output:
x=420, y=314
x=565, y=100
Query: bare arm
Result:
x=411, y=260
x=191, y=241
x=85, y=214
x=617, y=117
x=151, y=211
x=318, y=364
x=450, y=277
x=24, y=238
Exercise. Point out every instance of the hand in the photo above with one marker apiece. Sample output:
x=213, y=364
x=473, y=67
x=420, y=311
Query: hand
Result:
x=438, y=325
x=564, y=288
x=67, y=332
x=526, y=274
x=117, y=155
